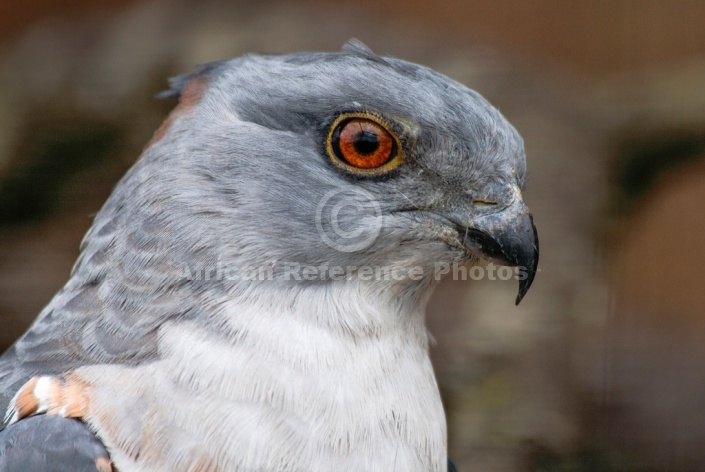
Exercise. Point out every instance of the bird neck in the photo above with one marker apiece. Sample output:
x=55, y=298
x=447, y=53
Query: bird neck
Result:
x=349, y=308
x=345, y=361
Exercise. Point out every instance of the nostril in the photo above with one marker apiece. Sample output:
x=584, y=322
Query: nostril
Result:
x=481, y=202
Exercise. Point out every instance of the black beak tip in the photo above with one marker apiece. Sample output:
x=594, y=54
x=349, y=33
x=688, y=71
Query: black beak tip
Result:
x=530, y=264
x=524, y=286
x=508, y=241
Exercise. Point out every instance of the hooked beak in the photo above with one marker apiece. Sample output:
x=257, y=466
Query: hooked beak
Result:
x=507, y=237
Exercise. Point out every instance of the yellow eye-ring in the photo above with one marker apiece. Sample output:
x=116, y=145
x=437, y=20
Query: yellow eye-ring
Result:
x=361, y=143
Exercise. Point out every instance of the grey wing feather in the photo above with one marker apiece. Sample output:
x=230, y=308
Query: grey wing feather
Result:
x=50, y=444
x=125, y=284
x=122, y=288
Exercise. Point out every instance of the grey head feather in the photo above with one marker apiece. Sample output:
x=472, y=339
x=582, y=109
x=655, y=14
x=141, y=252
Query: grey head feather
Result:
x=236, y=182
x=178, y=83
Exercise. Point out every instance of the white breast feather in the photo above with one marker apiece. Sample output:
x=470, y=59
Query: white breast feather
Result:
x=282, y=388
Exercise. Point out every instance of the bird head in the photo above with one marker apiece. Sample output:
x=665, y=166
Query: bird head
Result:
x=339, y=159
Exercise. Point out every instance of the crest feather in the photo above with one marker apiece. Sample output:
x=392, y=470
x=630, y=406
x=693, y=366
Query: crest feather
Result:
x=356, y=47
x=178, y=84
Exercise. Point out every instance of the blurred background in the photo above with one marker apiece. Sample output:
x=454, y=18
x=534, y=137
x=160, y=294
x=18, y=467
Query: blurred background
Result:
x=602, y=367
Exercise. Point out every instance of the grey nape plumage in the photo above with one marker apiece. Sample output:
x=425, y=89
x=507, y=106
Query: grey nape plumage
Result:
x=227, y=310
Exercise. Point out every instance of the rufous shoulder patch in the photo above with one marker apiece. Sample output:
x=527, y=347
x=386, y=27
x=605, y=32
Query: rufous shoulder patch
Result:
x=103, y=464
x=188, y=99
x=51, y=395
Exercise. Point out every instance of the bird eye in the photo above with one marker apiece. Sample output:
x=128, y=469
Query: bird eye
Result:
x=361, y=143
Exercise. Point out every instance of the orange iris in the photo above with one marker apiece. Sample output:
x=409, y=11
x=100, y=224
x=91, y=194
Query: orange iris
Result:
x=363, y=143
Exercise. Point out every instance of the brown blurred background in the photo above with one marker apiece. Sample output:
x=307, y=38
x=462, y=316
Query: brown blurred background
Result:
x=602, y=367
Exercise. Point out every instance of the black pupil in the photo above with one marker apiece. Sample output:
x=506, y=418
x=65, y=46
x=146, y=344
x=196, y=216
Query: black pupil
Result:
x=366, y=142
